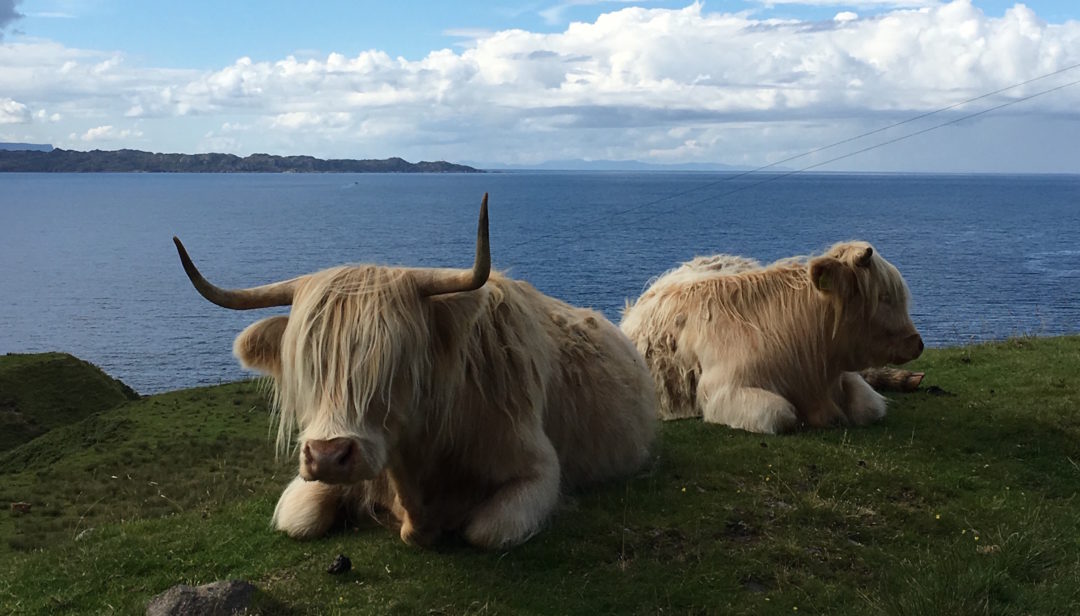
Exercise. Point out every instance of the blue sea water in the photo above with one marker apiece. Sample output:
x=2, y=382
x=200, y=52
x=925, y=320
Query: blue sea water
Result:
x=87, y=263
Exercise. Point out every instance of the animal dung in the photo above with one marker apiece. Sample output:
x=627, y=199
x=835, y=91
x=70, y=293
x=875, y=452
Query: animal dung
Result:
x=341, y=564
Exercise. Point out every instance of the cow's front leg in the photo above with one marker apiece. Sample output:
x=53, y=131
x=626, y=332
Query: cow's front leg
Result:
x=860, y=402
x=308, y=509
x=747, y=408
x=521, y=505
x=417, y=528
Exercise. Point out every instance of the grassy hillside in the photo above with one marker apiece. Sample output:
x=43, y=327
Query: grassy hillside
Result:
x=184, y=451
x=963, y=501
x=32, y=403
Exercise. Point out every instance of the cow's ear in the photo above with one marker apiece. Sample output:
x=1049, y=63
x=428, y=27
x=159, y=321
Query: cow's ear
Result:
x=830, y=276
x=258, y=347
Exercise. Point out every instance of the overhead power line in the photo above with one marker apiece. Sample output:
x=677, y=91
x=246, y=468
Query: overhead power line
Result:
x=772, y=178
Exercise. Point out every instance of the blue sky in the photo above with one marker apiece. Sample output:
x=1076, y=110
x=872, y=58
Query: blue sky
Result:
x=738, y=82
x=209, y=34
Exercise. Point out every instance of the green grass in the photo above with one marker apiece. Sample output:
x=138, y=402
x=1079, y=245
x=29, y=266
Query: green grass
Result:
x=191, y=450
x=963, y=501
x=31, y=404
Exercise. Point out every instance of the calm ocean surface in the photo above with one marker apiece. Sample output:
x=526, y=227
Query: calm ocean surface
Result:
x=87, y=263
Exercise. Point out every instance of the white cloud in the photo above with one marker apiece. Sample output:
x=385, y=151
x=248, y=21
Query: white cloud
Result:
x=8, y=14
x=107, y=133
x=858, y=3
x=556, y=14
x=673, y=85
x=13, y=112
x=305, y=120
x=42, y=115
x=54, y=15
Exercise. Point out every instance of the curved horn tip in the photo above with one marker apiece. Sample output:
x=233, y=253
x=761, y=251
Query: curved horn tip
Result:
x=482, y=265
x=185, y=259
x=865, y=258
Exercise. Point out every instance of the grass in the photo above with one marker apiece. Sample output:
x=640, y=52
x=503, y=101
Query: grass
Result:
x=31, y=404
x=963, y=501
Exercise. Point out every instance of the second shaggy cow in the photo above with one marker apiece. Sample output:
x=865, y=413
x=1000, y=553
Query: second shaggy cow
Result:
x=767, y=348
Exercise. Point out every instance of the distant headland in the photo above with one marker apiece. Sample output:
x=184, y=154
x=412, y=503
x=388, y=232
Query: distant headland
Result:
x=45, y=159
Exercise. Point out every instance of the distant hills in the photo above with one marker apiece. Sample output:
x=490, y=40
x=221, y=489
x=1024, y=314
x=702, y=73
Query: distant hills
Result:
x=120, y=161
x=609, y=165
x=37, y=147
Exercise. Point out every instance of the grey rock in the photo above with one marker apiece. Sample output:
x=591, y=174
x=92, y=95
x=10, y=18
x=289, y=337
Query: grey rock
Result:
x=341, y=564
x=215, y=599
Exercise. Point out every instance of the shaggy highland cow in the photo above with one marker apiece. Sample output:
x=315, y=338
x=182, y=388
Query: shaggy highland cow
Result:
x=454, y=400
x=767, y=348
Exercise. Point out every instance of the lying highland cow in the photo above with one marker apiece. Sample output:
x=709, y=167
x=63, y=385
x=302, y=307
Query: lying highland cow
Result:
x=766, y=348
x=455, y=400
x=882, y=378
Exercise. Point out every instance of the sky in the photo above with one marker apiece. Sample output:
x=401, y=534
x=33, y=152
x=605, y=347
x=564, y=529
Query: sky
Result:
x=746, y=83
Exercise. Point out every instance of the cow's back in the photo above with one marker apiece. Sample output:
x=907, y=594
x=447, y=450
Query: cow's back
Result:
x=601, y=405
x=509, y=359
x=667, y=325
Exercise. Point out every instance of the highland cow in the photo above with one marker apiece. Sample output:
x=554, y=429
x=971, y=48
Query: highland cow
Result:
x=451, y=400
x=769, y=348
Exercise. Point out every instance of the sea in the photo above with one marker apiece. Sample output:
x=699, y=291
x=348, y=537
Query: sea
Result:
x=88, y=267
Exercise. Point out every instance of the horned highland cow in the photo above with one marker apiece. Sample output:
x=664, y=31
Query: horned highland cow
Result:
x=769, y=348
x=449, y=400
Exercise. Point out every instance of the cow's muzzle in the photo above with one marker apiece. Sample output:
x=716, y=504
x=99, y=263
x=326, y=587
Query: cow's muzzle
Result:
x=910, y=348
x=339, y=460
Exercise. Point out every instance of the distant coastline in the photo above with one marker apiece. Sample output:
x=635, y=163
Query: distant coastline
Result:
x=137, y=161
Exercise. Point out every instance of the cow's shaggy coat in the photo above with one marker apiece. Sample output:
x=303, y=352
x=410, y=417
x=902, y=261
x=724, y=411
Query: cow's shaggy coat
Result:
x=467, y=411
x=766, y=348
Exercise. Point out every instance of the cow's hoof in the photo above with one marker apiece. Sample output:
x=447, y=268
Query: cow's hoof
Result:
x=420, y=537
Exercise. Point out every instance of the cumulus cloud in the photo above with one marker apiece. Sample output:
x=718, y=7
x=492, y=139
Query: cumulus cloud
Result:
x=44, y=116
x=306, y=120
x=556, y=14
x=664, y=84
x=8, y=14
x=858, y=4
x=106, y=133
x=13, y=112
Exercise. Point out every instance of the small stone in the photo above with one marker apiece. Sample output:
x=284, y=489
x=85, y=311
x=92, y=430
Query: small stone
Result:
x=214, y=599
x=341, y=564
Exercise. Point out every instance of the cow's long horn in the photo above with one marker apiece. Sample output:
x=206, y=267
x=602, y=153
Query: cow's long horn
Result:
x=435, y=282
x=275, y=294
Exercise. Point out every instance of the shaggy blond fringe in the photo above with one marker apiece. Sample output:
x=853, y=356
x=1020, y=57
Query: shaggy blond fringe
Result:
x=350, y=329
x=360, y=337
